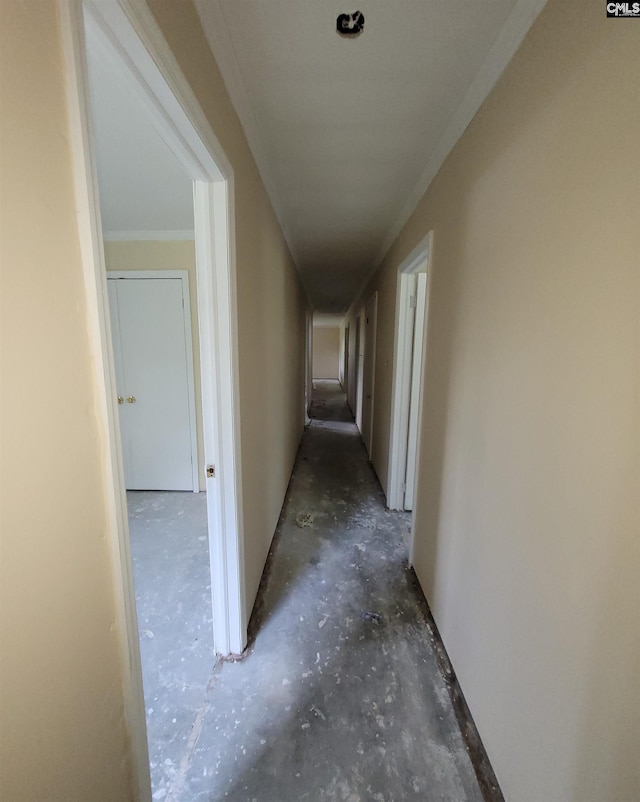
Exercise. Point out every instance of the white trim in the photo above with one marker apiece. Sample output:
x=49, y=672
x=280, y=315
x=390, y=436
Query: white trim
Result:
x=423, y=371
x=129, y=28
x=139, y=49
x=522, y=16
x=359, y=367
x=370, y=354
x=183, y=277
x=154, y=236
x=308, y=366
x=400, y=394
x=415, y=397
x=99, y=325
x=417, y=261
x=217, y=35
x=217, y=316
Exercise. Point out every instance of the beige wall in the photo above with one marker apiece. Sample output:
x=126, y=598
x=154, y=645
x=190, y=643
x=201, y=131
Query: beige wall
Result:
x=271, y=303
x=172, y=255
x=526, y=524
x=61, y=716
x=326, y=352
x=63, y=736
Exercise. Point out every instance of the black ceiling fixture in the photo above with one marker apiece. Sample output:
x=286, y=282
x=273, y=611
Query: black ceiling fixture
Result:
x=350, y=24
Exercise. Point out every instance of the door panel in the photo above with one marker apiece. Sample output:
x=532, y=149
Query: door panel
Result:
x=112, y=287
x=150, y=335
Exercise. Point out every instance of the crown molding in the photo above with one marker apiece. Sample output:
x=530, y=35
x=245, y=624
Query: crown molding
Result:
x=216, y=31
x=518, y=23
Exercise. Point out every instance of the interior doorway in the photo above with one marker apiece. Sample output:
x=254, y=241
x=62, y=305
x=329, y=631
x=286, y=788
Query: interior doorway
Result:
x=408, y=381
x=358, y=372
x=370, y=323
x=345, y=361
x=147, y=215
x=140, y=55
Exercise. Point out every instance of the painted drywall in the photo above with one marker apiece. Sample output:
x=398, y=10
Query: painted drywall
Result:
x=166, y=255
x=271, y=303
x=62, y=735
x=527, y=531
x=326, y=352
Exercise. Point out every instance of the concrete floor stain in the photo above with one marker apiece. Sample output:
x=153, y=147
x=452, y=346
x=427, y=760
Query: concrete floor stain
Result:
x=340, y=697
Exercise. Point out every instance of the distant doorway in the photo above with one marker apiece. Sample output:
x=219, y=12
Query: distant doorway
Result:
x=345, y=362
x=368, y=371
x=408, y=383
x=128, y=36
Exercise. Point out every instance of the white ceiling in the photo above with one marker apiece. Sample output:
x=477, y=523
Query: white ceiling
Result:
x=144, y=191
x=327, y=320
x=348, y=133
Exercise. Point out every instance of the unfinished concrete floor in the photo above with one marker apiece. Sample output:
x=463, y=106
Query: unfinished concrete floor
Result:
x=172, y=579
x=339, y=696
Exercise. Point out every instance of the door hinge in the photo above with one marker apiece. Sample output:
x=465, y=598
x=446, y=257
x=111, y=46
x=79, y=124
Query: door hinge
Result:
x=413, y=301
x=211, y=471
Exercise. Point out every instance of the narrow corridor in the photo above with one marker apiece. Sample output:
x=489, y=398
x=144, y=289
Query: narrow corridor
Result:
x=340, y=696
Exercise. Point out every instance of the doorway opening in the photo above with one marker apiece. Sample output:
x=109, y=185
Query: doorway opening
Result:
x=412, y=300
x=366, y=396
x=358, y=351
x=345, y=360
x=140, y=55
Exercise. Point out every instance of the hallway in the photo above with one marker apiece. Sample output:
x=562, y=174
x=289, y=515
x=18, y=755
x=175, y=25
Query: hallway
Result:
x=339, y=696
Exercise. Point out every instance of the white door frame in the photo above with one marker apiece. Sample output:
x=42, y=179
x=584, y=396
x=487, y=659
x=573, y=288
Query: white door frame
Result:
x=308, y=366
x=130, y=31
x=415, y=395
x=183, y=277
x=359, y=352
x=345, y=359
x=369, y=362
x=418, y=261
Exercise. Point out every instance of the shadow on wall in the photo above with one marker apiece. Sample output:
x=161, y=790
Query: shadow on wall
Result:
x=613, y=663
x=436, y=410
x=451, y=257
x=512, y=396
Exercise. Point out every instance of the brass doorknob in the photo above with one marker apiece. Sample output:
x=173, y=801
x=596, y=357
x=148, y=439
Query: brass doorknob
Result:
x=131, y=399
x=120, y=399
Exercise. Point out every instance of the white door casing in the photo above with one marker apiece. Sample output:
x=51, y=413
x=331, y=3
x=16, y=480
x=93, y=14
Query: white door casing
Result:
x=358, y=370
x=414, y=275
x=137, y=44
x=368, y=370
x=151, y=329
x=345, y=362
x=420, y=290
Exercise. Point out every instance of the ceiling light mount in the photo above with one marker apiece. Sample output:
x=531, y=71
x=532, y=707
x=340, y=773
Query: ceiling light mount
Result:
x=350, y=24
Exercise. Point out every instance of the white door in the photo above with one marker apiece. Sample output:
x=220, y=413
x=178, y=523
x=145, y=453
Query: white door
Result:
x=368, y=370
x=152, y=346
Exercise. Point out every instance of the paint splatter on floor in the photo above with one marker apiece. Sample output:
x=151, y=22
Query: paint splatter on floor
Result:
x=340, y=696
x=170, y=553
